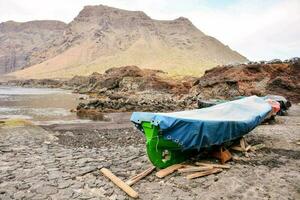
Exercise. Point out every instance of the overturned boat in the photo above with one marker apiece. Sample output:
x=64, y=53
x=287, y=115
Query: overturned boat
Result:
x=171, y=136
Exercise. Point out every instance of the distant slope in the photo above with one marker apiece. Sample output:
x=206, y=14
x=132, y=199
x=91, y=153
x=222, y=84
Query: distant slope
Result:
x=101, y=37
x=21, y=43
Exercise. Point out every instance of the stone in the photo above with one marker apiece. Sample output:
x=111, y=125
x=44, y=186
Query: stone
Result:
x=23, y=186
x=77, y=185
x=69, y=134
x=46, y=190
x=65, y=184
x=65, y=194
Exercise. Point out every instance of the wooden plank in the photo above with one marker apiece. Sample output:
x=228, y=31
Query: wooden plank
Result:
x=205, y=173
x=213, y=165
x=169, y=170
x=126, y=188
x=140, y=176
x=194, y=169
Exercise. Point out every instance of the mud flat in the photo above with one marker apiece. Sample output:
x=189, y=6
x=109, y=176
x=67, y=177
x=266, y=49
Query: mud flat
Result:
x=62, y=162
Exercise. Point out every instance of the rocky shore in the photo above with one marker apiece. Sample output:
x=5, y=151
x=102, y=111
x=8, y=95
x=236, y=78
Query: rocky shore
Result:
x=37, y=83
x=133, y=89
x=63, y=162
x=130, y=88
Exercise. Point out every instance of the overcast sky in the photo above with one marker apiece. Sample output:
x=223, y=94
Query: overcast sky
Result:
x=258, y=29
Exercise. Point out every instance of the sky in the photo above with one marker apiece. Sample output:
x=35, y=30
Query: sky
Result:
x=258, y=29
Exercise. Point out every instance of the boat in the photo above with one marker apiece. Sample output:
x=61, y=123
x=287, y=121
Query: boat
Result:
x=171, y=137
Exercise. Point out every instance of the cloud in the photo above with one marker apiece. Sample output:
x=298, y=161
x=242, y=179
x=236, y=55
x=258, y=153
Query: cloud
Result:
x=257, y=29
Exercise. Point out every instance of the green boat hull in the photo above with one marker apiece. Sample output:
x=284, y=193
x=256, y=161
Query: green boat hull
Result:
x=161, y=152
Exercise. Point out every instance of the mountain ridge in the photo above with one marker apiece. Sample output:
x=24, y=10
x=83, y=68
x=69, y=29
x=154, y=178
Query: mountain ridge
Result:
x=101, y=37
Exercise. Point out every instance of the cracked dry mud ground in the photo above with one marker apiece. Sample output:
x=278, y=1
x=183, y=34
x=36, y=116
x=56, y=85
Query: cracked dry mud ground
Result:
x=37, y=163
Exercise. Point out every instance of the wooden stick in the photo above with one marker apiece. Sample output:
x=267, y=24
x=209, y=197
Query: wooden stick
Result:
x=139, y=176
x=194, y=169
x=169, y=170
x=126, y=188
x=237, y=148
x=248, y=147
x=213, y=165
x=242, y=143
x=205, y=173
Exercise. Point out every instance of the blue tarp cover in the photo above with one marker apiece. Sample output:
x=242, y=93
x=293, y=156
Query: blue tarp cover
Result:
x=205, y=127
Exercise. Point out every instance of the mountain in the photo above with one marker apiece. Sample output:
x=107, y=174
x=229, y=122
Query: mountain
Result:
x=101, y=37
x=21, y=43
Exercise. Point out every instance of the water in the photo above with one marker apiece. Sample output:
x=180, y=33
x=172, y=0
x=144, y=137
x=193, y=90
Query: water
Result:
x=39, y=105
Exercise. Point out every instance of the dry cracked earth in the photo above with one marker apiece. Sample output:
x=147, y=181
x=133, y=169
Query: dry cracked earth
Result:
x=63, y=163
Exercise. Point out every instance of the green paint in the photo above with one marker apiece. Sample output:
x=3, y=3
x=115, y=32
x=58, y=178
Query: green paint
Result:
x=161, y=152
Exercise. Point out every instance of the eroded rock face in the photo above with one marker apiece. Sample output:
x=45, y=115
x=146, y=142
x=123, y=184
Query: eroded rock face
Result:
x=22, y=43
x=252, y=79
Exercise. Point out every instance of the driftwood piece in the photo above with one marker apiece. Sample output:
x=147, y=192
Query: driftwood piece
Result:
x=194, y=169
x=213, y=165
x=122, y=185
x=140, y=176
x=205, y=173
x=169, y=170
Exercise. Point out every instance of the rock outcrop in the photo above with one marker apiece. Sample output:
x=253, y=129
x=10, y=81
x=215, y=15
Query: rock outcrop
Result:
x=274, y=77
x=131, y=88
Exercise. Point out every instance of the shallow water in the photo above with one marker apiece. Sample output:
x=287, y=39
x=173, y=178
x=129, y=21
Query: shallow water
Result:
x=40, y=105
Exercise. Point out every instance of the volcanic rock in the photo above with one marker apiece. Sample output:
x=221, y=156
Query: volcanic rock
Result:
x=130, y=88
x=281, y=78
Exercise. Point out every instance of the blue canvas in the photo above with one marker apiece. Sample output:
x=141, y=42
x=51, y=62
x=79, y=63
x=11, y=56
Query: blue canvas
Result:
x=205, y=127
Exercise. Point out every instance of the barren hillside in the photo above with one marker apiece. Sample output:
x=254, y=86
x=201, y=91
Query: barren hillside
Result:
x=101, y=37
